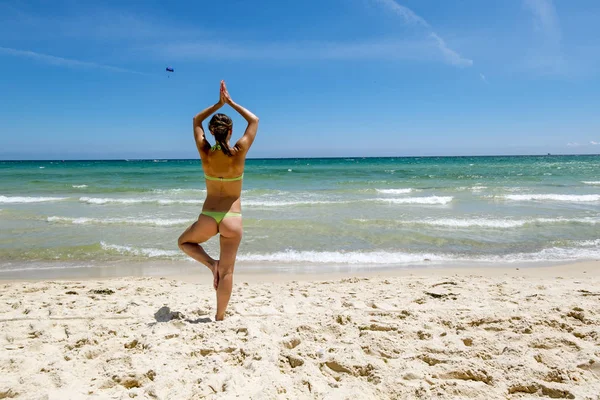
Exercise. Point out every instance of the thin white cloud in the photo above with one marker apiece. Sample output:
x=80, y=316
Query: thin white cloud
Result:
x=63, y=62
x=573, y=144
x=450, y=55
x=412, y=18
x=545, y=18
x=483, y=78
x=406, y=13
x=594, y=143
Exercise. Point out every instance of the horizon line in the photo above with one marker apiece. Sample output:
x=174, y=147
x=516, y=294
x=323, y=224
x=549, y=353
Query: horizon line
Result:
x=300, y=158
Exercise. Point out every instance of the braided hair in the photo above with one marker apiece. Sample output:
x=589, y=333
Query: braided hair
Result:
x=220, y=125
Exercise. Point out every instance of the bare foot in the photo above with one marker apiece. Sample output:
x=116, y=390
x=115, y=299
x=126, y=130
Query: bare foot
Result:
x=215, y=271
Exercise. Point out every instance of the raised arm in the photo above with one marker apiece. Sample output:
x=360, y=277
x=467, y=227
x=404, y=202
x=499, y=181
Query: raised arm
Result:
x=199, y=136
x=247, y=139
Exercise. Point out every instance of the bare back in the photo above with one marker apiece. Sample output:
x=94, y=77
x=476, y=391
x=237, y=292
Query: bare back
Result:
x=223, y=195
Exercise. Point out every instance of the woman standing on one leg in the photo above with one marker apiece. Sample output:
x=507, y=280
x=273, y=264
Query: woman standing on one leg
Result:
x=222, y=210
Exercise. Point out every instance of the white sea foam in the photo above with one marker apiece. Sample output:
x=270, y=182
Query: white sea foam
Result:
x=262, y=203
x=79, y=186
x=169, y=201
x=584, y=220
x=355, y=257
x=467, y=223
x=120, y=200
x=34, y=267
x=394, y=191
x=549, y=254
x=553, y=197
x=589, y=243
x=587, y=249
x=401, y=258
x=284, y=203
x=497, y=223
x=591, y=182
x=19, y=199
x=136, y=251
x=418, y=200
x=125, y=221
x=478, y=188
x=108, y=200
x=514, y=189
x=391, y=258
x=178, y=191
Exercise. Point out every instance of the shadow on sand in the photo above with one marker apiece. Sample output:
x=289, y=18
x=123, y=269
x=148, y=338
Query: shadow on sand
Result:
x=164, y=314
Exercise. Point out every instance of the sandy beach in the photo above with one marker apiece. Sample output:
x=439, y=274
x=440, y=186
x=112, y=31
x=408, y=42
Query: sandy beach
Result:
x=495, y=333
x=405, y=196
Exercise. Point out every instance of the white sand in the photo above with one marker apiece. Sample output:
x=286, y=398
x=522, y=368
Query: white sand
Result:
x=437, y=334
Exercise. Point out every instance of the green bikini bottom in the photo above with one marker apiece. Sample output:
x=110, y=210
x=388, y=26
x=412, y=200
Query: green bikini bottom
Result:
x=219, y=215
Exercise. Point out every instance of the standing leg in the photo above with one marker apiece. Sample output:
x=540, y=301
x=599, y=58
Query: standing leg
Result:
x=231, y=236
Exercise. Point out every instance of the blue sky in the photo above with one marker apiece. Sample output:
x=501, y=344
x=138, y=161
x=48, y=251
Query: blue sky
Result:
x=82, y=79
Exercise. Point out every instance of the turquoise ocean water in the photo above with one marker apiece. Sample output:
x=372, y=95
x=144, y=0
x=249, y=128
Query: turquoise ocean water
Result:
x=304, y=214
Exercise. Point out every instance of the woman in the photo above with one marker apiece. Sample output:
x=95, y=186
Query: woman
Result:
x=222, y=210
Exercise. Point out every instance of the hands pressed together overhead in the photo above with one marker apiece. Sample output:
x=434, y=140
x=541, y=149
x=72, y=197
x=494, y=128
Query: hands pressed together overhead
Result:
x=224, y=97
